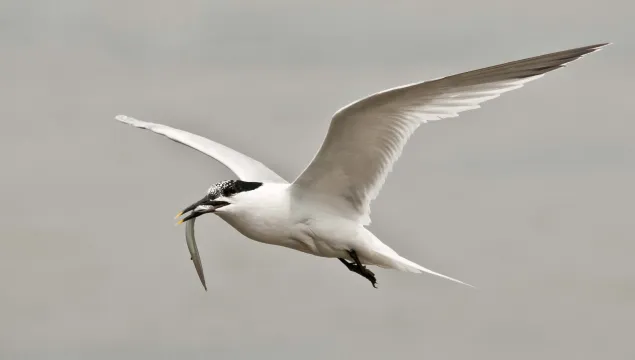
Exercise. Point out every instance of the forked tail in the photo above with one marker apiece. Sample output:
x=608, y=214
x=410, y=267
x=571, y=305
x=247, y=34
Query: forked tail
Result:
x=382, y=255
x=391, y=260
x=403, y=264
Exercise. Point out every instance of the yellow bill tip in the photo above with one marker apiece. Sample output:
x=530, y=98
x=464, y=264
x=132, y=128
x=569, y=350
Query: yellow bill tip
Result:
x=179, y=223
x=178, y=215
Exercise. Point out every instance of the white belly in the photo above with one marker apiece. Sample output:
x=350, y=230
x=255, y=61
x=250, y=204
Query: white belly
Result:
x=325, y=238
x=270, y=215
x=259, y=228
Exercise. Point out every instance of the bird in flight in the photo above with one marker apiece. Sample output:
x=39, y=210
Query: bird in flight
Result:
x=325, y=210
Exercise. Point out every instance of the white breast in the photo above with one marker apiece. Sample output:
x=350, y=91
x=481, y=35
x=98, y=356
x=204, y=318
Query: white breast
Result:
x=263, y=214
x=274, y=215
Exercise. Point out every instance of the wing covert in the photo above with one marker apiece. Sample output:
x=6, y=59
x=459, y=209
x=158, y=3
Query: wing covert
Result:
x=366, y=137
x=243, y=166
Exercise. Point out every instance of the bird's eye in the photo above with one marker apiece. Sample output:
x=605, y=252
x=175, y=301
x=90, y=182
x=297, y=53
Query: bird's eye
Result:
x=229, y=192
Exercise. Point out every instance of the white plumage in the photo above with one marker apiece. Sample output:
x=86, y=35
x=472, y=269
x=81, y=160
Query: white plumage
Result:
x=323, y=212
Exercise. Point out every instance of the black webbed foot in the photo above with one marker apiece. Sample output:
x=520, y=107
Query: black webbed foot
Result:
x=360, y=269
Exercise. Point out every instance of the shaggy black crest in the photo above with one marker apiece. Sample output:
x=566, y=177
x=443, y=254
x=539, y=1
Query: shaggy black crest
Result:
x=228, y=188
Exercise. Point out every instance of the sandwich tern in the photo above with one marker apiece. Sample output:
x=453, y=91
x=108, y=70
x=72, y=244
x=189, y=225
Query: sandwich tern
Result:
x=324, y=211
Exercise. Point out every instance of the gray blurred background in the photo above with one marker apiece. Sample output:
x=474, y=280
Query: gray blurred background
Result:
x=529, y=198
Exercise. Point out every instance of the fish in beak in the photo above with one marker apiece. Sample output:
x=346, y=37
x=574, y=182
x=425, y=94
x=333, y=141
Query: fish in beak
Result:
x=203, y=206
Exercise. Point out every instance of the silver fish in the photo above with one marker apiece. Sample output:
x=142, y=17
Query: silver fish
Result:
x=191, y=245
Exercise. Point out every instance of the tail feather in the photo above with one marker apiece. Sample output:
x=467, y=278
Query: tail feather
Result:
x=395, y=261
x=384, y=256
x=410, y=266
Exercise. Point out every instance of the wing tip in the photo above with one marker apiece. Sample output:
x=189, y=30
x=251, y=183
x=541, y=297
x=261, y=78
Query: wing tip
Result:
x=600, y=46
x=122, y=118
x=125, y=119
x=583, y=51
x=596, y=47
x=568, y=57
x=131, y=121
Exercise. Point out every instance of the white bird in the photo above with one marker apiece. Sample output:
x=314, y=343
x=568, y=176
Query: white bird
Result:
x=324, y=211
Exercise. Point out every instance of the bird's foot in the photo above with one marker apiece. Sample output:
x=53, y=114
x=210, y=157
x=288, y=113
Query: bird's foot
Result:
x=368, y=275
x=360, y=269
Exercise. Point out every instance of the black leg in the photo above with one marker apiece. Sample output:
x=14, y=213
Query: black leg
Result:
x=350, y=266
x=357, y=267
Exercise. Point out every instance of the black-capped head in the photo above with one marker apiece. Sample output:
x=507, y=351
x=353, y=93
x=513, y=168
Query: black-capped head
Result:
x=218, y=196
x=229, y=188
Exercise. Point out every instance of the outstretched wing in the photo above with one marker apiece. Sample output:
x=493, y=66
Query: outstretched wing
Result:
x=243, y=166
x=366, y=137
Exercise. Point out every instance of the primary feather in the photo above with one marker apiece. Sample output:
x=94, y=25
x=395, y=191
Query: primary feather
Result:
x=243, y=166
x=366, y=137
x=325, y=210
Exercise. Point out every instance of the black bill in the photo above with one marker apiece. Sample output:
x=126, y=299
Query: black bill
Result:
x=205, y=207
x=192, y=207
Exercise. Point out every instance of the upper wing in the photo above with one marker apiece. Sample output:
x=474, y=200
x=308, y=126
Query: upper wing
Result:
x=366, y=137
x=243, y=166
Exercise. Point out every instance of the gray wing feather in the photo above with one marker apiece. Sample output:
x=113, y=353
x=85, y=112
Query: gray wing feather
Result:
x=242, y=165
x=366, y=137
